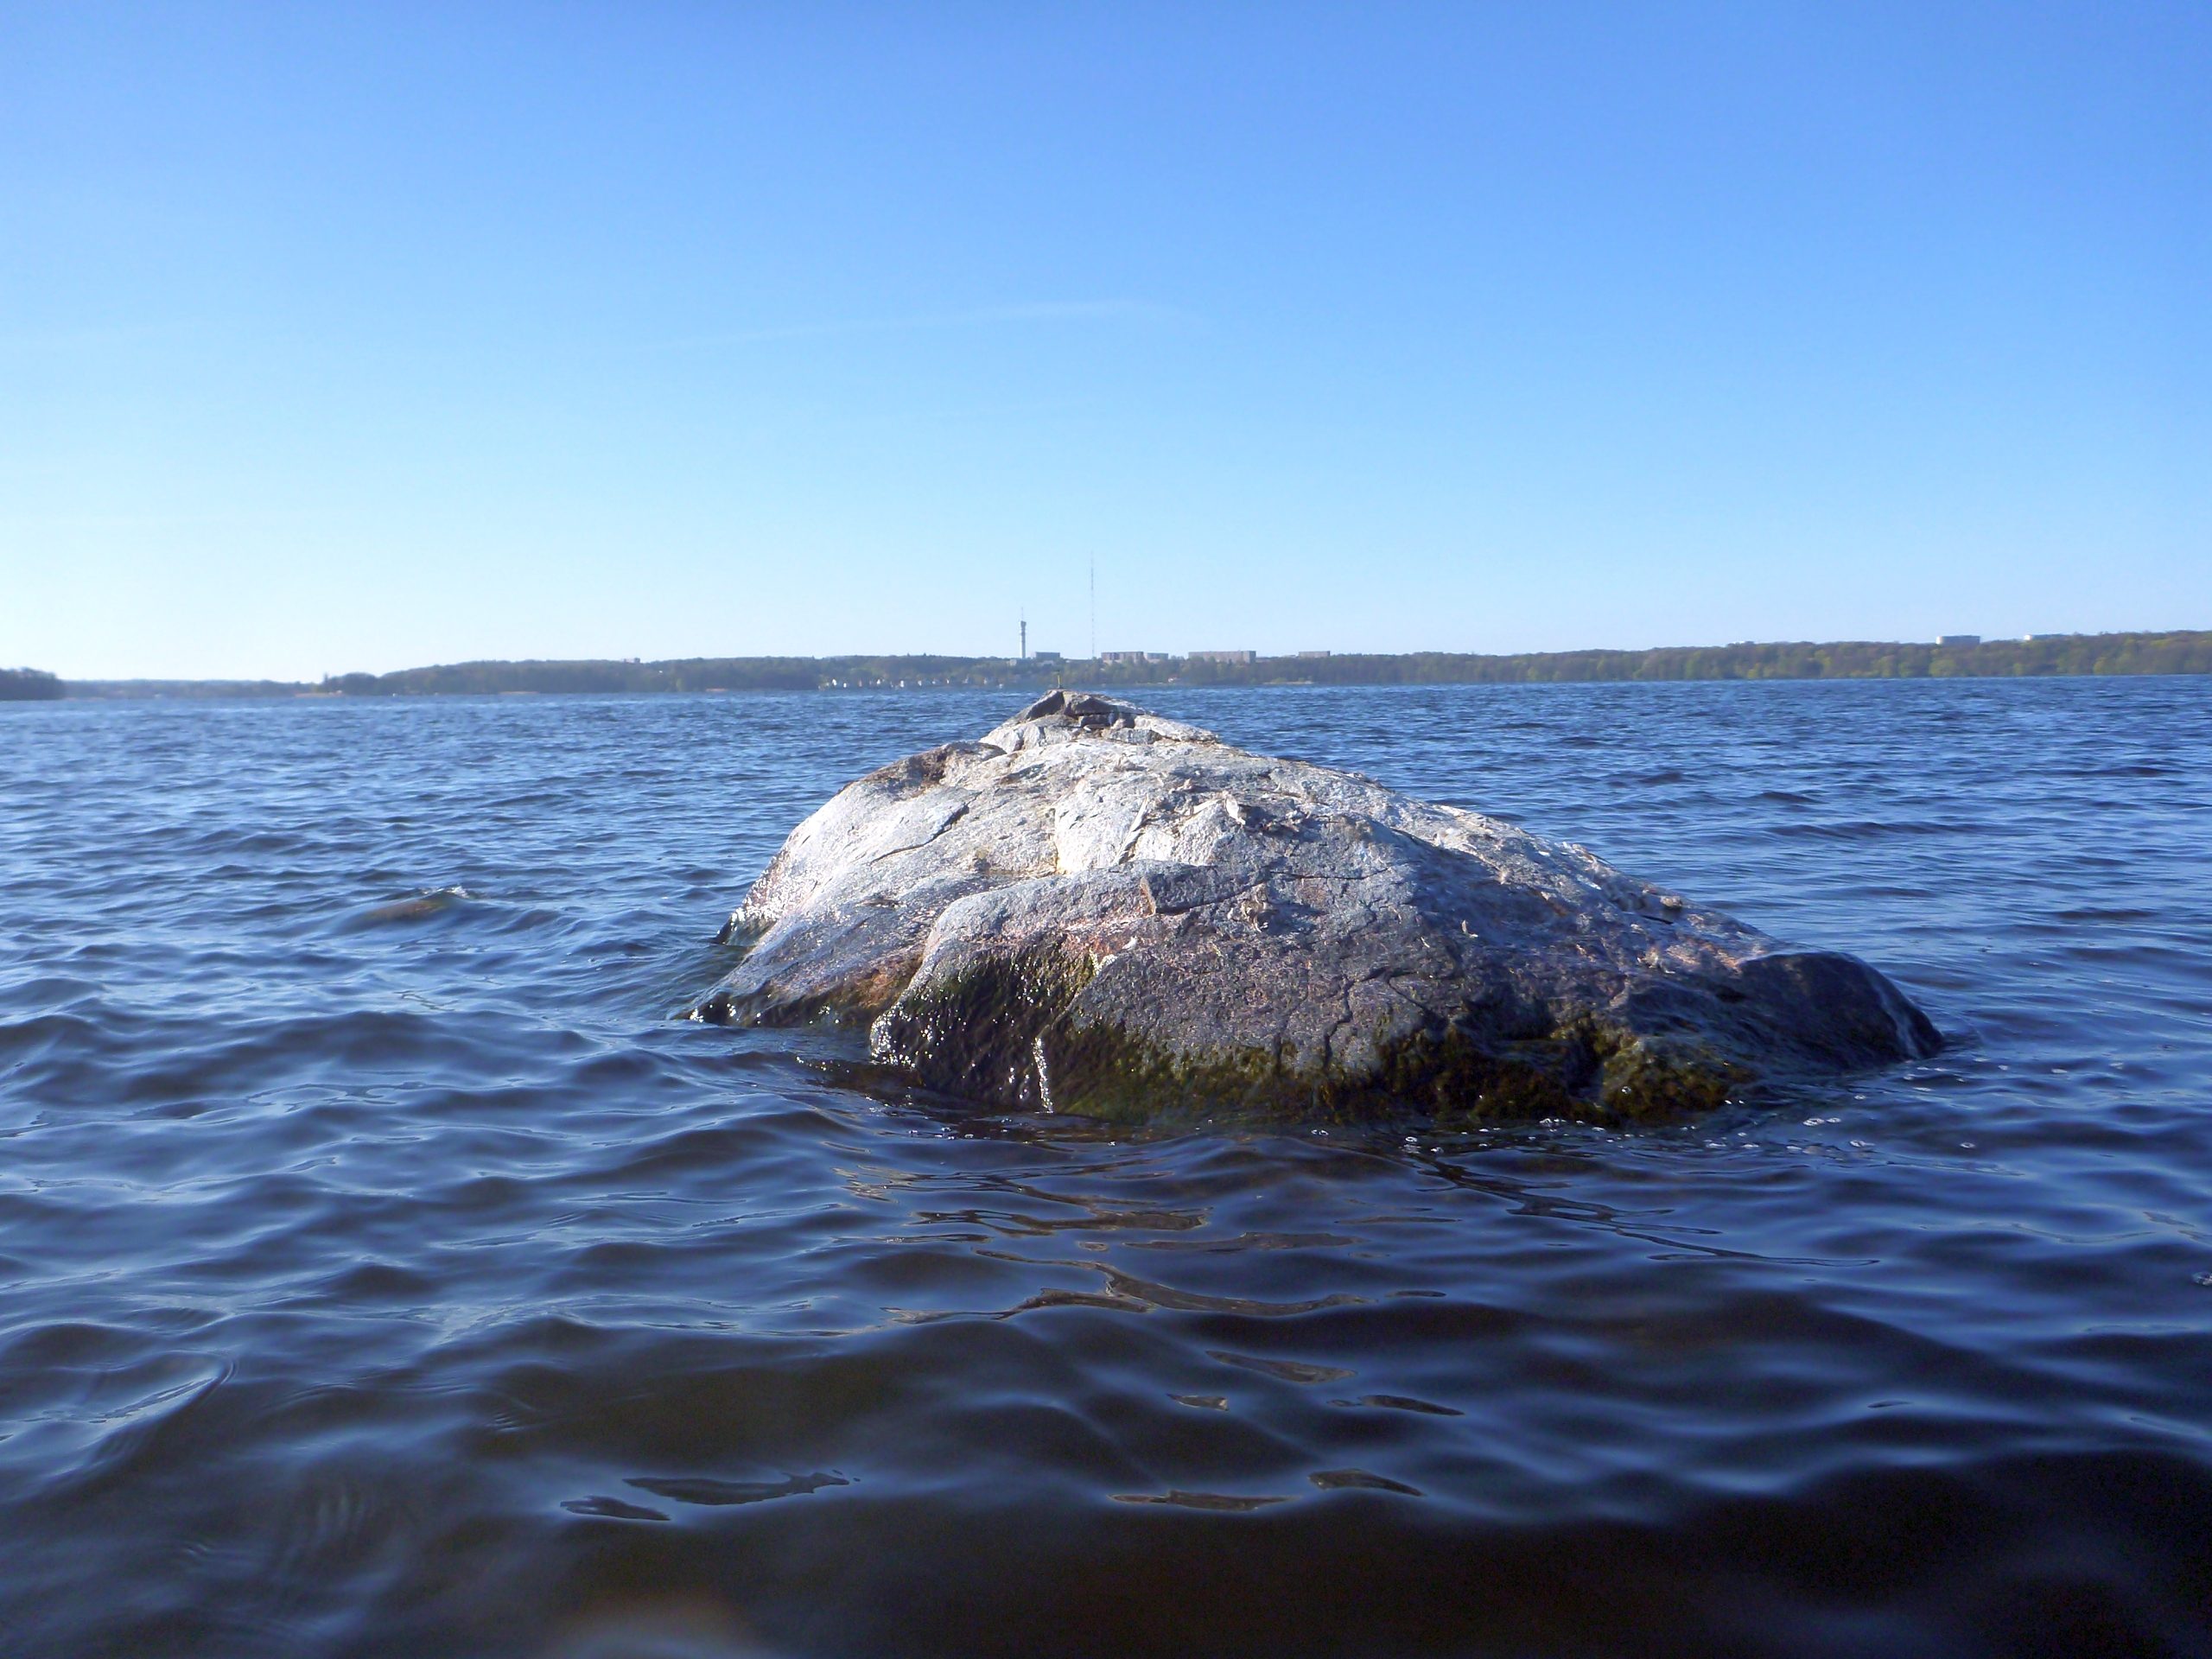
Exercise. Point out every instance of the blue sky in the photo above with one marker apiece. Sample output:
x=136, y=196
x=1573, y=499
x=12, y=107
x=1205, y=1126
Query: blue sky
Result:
x=358, y=337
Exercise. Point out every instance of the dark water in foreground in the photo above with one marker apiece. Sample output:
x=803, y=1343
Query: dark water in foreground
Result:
x=381, y=1278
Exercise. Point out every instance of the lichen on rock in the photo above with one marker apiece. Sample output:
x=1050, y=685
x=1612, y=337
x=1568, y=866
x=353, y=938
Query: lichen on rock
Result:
x=1097, y=909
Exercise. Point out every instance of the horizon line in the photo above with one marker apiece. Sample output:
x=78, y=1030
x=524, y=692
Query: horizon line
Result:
x=1050, y=661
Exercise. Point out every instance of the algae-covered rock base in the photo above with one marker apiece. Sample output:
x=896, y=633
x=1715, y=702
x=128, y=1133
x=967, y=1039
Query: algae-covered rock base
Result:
x=1095, y=909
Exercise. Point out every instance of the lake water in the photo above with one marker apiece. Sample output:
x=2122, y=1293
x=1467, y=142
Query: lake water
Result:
x=402, y=1278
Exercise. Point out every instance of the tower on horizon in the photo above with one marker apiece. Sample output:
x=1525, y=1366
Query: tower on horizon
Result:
x=1025, y=637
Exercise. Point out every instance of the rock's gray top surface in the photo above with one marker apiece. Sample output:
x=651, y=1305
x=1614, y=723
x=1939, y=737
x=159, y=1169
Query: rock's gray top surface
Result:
x=1097, y=909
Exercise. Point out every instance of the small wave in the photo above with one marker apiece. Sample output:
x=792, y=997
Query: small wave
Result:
x=426, y=906
x=611, y=1509
x=1289, y=1370
x=1340, y=1480
x=1401, y=1402
x=1216, y=1502
x=724, y=1494
x=1876, y=829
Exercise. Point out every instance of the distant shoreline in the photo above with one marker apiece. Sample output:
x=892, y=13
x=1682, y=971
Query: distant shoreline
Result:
x=2187, y=652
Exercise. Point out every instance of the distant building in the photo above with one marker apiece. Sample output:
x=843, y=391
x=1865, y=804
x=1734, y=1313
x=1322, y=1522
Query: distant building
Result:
x=1047, y=656
x=1124, y=657
x=1959, y=640
x=1312, y=653
x=1243, y=658
x=2032, y=637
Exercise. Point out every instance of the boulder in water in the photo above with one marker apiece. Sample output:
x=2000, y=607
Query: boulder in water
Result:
x=1097, y=909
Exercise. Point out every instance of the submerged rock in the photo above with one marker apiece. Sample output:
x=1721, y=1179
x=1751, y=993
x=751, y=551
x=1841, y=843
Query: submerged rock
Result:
x=1097, y=909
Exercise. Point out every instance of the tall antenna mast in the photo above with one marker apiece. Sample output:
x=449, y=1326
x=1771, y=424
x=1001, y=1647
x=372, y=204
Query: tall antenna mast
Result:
x=1094, y=608
x=1024, y=633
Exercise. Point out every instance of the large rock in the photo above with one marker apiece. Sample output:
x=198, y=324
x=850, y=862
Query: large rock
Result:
x=1097, y=909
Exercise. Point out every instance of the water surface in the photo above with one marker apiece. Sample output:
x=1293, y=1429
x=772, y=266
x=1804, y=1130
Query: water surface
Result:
x=384, y=1270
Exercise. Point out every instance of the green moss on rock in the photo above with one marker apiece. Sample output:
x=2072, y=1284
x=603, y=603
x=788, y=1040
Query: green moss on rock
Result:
x=1005, y=1029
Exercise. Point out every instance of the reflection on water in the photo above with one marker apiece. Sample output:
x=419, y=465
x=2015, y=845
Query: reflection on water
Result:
x=384, y=1271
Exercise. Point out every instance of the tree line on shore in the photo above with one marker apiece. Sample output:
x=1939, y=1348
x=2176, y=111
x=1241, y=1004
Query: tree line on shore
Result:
x=2170, y=652
x=2189, y=653
x=2071, y=654
x=29, y=685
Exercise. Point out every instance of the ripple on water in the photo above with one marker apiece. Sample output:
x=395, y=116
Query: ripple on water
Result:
x=385, y=1270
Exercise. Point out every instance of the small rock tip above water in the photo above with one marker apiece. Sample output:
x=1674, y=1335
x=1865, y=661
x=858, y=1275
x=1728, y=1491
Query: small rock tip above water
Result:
x=1094, y=909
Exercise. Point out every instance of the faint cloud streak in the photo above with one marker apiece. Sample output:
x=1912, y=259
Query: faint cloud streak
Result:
x=978, y=317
